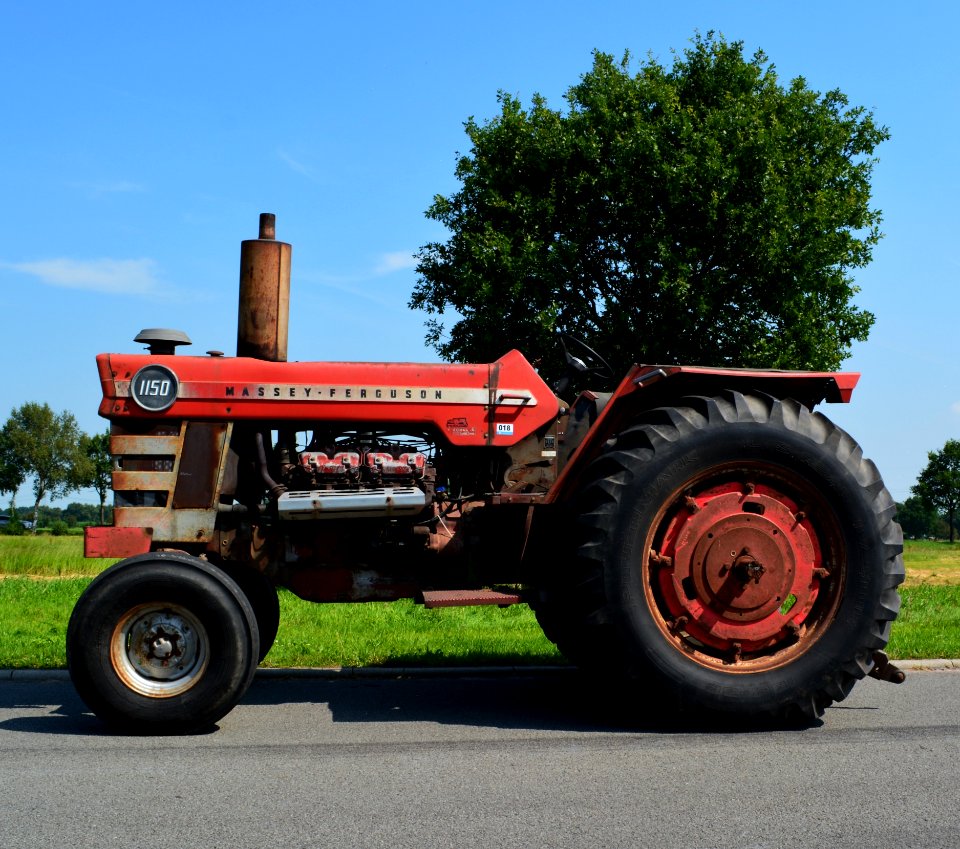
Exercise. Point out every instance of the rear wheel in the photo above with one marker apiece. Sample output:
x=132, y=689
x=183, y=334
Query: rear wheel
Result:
x=738, y=551
x=162, y=643
x=263, y=599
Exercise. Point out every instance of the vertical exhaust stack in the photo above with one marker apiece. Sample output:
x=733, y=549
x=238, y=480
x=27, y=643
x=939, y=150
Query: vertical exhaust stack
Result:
x=264, y=294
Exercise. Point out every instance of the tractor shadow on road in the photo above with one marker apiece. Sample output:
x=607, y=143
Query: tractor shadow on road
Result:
x=558, y=700
x=47, y=707
x=544, y=700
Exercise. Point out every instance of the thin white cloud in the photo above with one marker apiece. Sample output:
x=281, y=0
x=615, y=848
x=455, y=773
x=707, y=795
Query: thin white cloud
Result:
x=388, y=263
x=296, y=165
x=112, y=276
x=349, y=288
x=395, y=261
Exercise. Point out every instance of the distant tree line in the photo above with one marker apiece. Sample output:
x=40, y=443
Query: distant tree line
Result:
x=51, y=452
x=74, y=514
x=934, y=508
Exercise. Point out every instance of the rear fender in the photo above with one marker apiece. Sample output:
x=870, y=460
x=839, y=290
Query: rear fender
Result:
x=646, y=387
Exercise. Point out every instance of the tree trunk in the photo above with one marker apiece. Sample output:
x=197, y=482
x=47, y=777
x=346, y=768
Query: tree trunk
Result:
x=36, y=514
x=102, y=500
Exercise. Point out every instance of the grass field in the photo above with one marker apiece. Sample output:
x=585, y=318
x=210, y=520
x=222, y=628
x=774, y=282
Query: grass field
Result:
x=47, y=557
x=42, y=578
x=931, y=562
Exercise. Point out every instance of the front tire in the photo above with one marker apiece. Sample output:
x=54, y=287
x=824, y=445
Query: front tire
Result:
x=737, y=552
x=162, y=643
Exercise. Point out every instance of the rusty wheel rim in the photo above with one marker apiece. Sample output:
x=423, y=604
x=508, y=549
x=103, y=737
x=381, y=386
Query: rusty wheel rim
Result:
x=159, y=650
x=744, y=568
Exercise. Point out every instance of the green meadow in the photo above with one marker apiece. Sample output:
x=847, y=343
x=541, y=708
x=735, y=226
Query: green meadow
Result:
x=42, y=577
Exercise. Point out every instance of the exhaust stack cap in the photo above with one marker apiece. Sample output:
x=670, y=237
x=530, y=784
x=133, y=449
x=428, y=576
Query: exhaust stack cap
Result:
x=268, y=225
x=162, y=340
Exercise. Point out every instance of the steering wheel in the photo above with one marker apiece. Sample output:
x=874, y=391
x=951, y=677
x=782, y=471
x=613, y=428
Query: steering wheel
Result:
x=588, y=361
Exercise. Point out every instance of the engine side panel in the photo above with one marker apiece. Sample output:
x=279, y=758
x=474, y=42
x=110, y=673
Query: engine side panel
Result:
x=495, y=404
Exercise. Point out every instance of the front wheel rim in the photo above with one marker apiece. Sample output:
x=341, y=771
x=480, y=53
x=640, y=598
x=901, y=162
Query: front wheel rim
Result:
x=743, y=568
x=159, y=650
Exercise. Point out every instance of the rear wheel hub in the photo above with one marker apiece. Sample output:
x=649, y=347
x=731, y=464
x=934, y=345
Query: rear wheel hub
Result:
x=737, y=572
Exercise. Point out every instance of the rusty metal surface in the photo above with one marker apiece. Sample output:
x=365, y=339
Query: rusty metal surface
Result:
x=534, y=463
x=143, y=481
x=884, y=670
x=446, y=536
x=169, y=525
x=199, y=466
x=163, y=446
x=468, y=598
x=264, y=309
x=349, y=585
x=171, y=481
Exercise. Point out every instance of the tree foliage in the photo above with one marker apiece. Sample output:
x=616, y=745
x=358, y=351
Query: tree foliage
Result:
x=918, y=520
x=96, y=466
x=46, y=447
x=701, y=213
x=12, y=474
x=74, y=514
x=938, y=485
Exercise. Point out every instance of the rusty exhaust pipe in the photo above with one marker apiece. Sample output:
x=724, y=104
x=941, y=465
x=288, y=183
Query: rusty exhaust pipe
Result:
x=264, y=310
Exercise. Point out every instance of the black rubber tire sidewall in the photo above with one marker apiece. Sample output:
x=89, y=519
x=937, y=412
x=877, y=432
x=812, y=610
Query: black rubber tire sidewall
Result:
x=846, y=641
x=263, y=599
x=210, y=595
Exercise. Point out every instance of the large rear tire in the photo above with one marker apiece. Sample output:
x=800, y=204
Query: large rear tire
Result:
x=738, y=553
x=162, y=643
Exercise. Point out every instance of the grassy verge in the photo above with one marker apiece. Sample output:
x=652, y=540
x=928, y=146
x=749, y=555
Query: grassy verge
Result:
x=403, y=633
x=33, y=621
x=47, y=557
x=34, y=614
x=929, y=623
x=932, y=562
x=43, y=577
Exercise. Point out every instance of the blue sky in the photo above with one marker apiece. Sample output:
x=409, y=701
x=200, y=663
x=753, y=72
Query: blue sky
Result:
x=140, y=143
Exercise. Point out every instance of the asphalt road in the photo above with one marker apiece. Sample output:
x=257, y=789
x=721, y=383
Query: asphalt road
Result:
x=519, y=761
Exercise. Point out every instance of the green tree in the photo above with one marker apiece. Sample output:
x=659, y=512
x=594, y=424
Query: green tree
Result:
x=917, y=519
x=86, y=514
x=12, y=475
x=97, y=465
x=698, y=213
x=938, y=485
x=46, y=447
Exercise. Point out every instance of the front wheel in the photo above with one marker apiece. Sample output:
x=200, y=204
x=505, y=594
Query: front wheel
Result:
x=162, y=643
x=740, y=553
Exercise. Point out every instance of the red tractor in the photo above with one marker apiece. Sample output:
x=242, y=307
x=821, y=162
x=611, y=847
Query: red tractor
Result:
x=699, y=529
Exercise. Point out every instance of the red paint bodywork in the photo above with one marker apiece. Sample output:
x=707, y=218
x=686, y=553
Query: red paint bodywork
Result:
x=464, y=403
x=491, y=405
x=115, y=542
x=649, y=386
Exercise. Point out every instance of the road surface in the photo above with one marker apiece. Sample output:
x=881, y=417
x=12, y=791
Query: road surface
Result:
x=526, y=760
